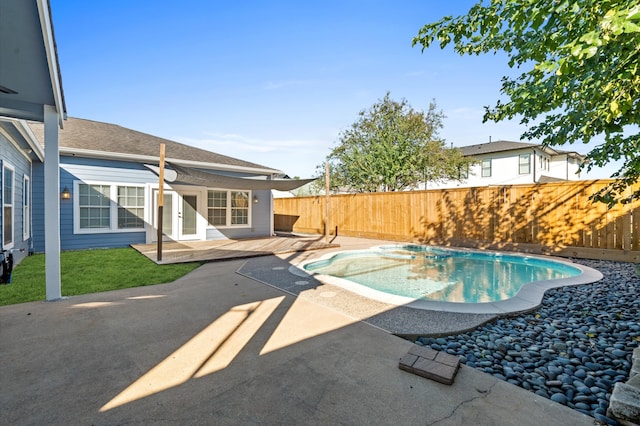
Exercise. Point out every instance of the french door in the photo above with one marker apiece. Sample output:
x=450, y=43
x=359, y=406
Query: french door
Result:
x=180, y=218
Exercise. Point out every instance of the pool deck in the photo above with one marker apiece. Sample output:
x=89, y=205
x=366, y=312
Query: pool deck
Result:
x=419, y=318
x=215, y=347
x=400, y=320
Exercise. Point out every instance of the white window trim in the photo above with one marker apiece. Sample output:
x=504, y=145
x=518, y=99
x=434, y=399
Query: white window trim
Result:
x=228, y=225
x=117, y=207
x=113, y=208
x=528, y=163
x=482, y=168
x=26, y=208
x=6, y=165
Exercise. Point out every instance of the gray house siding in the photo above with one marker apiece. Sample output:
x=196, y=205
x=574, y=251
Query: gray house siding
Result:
x=90, y=170
x=37, y=215
x=11, y=156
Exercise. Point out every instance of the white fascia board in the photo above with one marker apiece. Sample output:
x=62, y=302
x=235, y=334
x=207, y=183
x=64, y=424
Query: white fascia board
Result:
x=52, y=57
x=88, y=153
x=548, y=150
x=32, y=140
x=558, y=153
x=31, y=143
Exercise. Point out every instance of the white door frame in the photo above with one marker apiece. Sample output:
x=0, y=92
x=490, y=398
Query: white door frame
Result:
x=183, y=211
x=176, y=213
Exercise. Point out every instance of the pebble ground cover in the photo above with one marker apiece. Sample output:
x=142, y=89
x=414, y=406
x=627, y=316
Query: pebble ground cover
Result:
x=572, y=349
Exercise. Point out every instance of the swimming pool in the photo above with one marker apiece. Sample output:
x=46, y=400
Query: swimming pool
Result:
x=447, y=279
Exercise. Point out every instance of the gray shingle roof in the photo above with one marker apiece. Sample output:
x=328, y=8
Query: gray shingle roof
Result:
x=497, y=146
x=502, y=146
x=90, y=135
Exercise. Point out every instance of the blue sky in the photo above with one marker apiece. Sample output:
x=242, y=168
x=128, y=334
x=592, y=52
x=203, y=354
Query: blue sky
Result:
x=272, y=82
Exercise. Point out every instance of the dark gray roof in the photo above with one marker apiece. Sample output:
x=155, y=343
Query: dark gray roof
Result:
x=550, y=179
x=503, y=146
x=80, y=134
x=497, y=146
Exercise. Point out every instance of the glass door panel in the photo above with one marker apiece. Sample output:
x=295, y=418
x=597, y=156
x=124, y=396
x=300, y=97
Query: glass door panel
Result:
x=189, y=215
x=168, y=216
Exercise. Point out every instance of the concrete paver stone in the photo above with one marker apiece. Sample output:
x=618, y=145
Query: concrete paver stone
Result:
x=432, y=364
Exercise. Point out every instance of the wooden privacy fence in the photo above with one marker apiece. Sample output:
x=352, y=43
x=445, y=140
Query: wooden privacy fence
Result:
x=552, y=218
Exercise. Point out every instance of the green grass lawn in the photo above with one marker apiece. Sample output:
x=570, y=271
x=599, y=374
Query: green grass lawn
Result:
x=89, y=271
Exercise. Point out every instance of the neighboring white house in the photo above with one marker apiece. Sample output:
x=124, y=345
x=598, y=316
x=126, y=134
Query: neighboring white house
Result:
x=509, y=163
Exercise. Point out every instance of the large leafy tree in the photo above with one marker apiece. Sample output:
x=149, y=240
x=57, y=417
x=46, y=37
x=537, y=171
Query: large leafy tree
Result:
x=393, y=147
x=580, y=79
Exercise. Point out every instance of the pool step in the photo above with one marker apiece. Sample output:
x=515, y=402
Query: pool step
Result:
x=435, y=365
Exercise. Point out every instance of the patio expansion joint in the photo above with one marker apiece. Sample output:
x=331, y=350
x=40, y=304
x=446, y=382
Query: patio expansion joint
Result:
x=431, y=364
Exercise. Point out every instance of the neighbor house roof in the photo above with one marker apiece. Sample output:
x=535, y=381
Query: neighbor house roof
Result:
x=94, y=139
x=503, y=146
x=497, y=146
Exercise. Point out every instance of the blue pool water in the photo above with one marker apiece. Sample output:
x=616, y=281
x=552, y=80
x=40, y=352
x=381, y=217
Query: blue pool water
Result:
x=437, y=274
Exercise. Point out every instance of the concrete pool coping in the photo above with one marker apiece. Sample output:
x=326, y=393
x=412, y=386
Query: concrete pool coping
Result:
x=528, y=298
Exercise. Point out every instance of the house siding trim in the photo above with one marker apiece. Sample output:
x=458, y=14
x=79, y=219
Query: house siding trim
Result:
x=26, y=207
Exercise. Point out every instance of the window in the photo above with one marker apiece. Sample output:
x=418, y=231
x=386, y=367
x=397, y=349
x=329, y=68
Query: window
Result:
x=239, y=208
x=217, y=208
x=228, y=208
x=486, y=168
x=26, y=208
x=463, y=172
x=94, y=206
x=524, y=164
x=8, y=173
x=105, y=207
x=130, y=207
x=543, y=162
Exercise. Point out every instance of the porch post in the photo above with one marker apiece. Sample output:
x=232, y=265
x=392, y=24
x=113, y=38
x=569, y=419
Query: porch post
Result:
x=52, y=204
x=160, y=203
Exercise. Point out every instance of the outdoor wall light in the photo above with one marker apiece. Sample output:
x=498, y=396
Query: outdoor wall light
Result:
x=65, y=194
x=255, y=199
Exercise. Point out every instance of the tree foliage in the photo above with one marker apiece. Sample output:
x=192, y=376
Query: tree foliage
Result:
x=580, y=79
x=393, y=147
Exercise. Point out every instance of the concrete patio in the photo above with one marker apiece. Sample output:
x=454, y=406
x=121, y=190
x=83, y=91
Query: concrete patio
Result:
x=217, y=347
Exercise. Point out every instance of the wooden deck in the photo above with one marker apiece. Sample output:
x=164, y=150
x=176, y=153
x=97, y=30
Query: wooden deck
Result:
x=206, y=251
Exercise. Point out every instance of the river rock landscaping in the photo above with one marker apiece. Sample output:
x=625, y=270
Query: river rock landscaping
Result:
x=572, y=349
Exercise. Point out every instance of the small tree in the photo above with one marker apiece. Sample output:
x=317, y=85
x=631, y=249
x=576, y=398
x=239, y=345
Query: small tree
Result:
x=582, y=73
x=393, y=147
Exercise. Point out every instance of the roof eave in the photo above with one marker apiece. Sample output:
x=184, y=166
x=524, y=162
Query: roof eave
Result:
x=51, y=50
x=86, y=153
x=32, y=140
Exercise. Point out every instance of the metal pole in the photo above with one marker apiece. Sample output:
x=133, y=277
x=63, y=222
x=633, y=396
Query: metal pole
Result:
x=326, y=194
x=160, y=202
